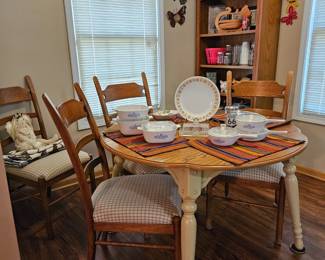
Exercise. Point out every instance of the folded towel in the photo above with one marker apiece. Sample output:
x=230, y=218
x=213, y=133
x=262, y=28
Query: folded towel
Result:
x=22, y=158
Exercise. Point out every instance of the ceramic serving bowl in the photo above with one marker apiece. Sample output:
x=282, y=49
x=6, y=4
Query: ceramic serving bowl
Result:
x=130, y=127
x=225, y=136
x=253, y=123
x=165, y=114
x=263, y=134
x=159, y=131
x=132, y=112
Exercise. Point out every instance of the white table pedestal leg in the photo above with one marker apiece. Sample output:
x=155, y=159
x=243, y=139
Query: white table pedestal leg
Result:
x=190, y=182
x=117, y=166
x=292, y=191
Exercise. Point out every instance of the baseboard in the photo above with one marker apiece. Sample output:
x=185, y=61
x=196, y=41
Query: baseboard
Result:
x=311, y=172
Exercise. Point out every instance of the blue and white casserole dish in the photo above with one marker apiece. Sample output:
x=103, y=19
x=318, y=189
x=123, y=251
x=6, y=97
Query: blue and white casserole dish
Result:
x=159, y=131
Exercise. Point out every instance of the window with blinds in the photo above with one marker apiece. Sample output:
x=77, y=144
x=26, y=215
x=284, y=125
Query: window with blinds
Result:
x=115, y=40
x=312, y=89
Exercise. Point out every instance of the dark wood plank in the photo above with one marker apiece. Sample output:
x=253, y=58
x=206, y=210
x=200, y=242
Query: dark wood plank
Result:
x=241, y=232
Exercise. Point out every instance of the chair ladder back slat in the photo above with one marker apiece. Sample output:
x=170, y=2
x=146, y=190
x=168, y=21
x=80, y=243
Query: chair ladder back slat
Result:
x=258, y=89
x=13, y=95
x=71, y=111
x=123, y=91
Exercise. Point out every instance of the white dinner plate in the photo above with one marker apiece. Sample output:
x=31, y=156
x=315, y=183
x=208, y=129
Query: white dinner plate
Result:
x=197, y=99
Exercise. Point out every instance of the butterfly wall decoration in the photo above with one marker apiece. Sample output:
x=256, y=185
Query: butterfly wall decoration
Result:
x=291, y=12
x=178, y=17
x=292, y=15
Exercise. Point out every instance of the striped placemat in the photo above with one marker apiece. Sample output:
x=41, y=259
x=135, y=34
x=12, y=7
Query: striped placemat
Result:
x=137, y=144
x=245, y=151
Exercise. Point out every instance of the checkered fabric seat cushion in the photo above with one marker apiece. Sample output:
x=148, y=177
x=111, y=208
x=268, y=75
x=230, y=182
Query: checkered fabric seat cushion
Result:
x=48, y=167
x=137, y=199
x=270, y=173
x=138, y=168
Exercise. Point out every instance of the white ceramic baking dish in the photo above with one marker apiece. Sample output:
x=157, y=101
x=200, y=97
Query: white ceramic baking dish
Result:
x=132, y=112
x=254, y=123
x=225, y=136
x=130, y=127
x=159, y=131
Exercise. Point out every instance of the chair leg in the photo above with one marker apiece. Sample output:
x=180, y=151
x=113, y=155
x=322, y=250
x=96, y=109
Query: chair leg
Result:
x=276, y=197
x=226, y=189
x=208, y=205
x=177, y=240
x=45, y=205
x=280, y=213
x=49, y=192
x=91, y=247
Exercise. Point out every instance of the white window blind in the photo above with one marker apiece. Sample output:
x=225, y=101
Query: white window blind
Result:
x=116, y=40
x=312, y=90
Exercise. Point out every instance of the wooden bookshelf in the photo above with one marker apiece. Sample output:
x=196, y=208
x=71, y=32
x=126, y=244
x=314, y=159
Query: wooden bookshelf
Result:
x=265, y=36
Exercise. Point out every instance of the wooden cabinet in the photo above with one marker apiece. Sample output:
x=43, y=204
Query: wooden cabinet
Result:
x=265, y=36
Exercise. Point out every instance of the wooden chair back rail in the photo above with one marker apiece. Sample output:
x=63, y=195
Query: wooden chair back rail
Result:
x=255, y=89
x=121, y=91
x=12, y=95
x=258, y=89
x=71, y=111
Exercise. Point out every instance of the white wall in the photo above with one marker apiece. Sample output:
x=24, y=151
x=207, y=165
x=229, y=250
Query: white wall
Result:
x=179, y=50
x=288, y=54
x=34, y=41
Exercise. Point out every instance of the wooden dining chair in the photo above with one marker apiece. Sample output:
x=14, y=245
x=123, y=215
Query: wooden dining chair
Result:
x=268, y=177
x=147, y=204
x=43, y=173
x=119, y=92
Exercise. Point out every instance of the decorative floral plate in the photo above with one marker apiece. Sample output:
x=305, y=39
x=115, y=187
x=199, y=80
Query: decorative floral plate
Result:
x=197, y=99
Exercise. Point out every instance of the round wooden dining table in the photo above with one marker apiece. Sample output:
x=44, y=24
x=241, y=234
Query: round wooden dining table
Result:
x=192, y=170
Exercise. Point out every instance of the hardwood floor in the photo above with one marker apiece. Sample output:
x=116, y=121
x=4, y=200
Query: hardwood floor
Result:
x=241, y=232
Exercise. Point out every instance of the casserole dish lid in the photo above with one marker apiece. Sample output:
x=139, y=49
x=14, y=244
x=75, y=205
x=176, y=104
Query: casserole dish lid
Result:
x=159, y=126
x=251, y=118
x=132, y=108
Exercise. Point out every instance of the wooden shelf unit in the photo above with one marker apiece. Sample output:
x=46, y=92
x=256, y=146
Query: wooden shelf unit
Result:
x=221, y=34
x=265, y=36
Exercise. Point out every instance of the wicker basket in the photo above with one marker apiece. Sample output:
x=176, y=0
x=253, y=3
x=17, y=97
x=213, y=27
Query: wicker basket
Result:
x=229, y=24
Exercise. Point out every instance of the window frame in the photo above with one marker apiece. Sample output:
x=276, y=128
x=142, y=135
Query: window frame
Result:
x=83, y=124
x=303, y=64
